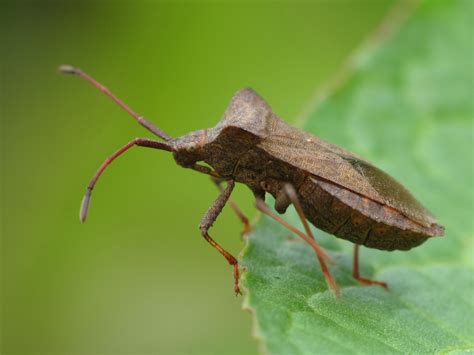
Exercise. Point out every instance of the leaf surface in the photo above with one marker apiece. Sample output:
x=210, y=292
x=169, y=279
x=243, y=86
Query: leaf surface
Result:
x=405, y=102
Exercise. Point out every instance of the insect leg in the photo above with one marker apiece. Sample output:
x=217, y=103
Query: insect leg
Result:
x=291, y=193
x=204, y=170
x=207, y=222
x=322, y=257
x=142, y=142
x=355, y=271
x=67, y=69
x=242, y=217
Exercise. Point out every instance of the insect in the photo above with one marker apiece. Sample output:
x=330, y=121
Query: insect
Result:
x=334, y=189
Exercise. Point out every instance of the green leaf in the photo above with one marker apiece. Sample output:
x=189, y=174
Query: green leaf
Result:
x=406, y=103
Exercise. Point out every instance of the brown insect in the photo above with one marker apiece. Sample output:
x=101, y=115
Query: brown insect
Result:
x=335, y=190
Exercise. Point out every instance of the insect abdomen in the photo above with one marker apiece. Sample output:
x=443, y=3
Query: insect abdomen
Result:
x=360, y=220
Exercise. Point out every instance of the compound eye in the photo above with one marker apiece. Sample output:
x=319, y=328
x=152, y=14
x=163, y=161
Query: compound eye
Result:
x=191, y=147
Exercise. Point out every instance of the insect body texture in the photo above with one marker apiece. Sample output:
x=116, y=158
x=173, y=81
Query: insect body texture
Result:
x=340, y=192
x=335, y=190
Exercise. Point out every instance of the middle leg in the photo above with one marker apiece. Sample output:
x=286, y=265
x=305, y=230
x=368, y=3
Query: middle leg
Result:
x=308, y=237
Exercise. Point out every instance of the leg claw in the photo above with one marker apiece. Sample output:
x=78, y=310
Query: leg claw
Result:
x=236, y=280
x=246, y=230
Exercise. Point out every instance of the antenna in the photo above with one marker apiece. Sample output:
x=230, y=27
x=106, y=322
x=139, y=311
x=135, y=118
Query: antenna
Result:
x=141, y=142
x=68, y=69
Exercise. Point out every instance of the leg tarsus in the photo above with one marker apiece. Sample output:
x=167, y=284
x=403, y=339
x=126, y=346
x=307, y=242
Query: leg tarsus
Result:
x=356, y=274
x=368, y=282
x=236, y=280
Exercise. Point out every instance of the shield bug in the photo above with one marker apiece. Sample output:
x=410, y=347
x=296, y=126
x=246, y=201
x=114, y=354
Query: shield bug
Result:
x=334, y=189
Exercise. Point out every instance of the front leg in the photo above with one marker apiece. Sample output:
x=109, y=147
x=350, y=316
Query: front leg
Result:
x=207, y=222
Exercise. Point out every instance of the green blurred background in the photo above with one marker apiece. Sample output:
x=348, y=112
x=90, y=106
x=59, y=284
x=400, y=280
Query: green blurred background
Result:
x=138, y=278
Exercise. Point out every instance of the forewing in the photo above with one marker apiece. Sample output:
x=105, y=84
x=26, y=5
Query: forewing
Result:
x=344, y=168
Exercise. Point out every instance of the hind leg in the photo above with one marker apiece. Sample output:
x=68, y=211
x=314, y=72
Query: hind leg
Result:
x=355, y=271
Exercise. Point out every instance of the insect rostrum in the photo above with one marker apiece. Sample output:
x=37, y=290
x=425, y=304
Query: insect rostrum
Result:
x=334, y=189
